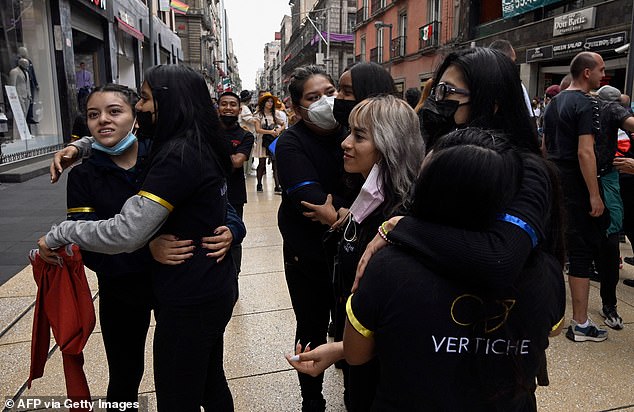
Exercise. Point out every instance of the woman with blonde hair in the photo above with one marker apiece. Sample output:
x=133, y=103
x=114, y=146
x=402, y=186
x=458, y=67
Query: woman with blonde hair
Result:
x=384, y=147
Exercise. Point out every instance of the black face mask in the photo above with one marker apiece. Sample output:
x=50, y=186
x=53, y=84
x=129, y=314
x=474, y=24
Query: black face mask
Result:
x=146, y=126
x=342, y=109
x=437, y=119
x=228, y=120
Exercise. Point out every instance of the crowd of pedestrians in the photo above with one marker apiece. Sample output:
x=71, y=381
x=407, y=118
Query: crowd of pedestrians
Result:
x=443, y=222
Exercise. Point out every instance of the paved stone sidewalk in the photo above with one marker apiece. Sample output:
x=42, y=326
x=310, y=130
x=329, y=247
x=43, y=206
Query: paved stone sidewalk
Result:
x=584, y=376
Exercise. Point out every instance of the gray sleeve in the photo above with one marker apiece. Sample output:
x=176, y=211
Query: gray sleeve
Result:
x=84, y=146
x=128, y=231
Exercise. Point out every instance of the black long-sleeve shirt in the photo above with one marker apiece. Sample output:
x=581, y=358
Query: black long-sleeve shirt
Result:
x=495, y=256
x=309, y=167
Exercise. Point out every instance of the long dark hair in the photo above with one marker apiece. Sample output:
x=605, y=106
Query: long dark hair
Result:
x=496, y=95
x=262, y=106
x=184, y=110
x=472, y=174
x=370, y=79
x=470, y=177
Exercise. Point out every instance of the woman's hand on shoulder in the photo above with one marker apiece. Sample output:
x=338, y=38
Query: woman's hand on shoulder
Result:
x=62, y=160
x=169, y=250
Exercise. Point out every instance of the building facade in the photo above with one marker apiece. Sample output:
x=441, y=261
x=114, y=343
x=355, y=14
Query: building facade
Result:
x=405, y=36
x=114, y=39
x=548, y=34
x=323, y=36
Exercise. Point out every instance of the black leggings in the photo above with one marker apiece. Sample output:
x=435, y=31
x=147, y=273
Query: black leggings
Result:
x=124, y=326
x=188, y=353
x=310, y=288
x=261, y=170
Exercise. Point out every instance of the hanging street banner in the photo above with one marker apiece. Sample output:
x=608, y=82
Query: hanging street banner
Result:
x=512, y=8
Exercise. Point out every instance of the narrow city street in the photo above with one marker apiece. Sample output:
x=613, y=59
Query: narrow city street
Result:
x=583, y=376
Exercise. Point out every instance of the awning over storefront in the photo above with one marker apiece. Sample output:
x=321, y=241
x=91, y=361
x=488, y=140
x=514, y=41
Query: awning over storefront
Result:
x=129, y=29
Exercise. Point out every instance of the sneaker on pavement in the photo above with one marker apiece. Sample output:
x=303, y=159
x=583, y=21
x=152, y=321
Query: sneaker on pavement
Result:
x=611, y=317
x=259, y=187
x=628, y=282
x=590, y=333
x=629, y=260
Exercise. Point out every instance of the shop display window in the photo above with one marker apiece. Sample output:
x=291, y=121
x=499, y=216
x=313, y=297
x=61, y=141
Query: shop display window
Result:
x=30, y=106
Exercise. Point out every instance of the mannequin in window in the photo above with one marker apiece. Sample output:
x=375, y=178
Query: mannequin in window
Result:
x=23, y=53
x=19, y=77
x=83, y=78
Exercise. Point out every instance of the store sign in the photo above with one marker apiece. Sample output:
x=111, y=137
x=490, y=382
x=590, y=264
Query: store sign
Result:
x=512, y=8
x=593, y=44
x=539, y=53
x=571, y=47
x=573, y=22
x=605, y=42
x=18, y=114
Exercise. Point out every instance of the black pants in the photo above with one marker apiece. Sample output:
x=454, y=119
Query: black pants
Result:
x=607, y=263
x=188, y=353
x=124, y=325
x=584, y=233
x=310, y=288
x=627, y=194
x=236, y=250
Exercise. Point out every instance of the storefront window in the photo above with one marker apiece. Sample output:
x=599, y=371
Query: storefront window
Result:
x=26, y=67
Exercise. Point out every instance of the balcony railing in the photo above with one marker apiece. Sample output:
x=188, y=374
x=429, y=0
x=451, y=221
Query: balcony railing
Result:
x=429, y=36
x=377, y=5
x=374, y=55
x=397, y=47
x=362, y=15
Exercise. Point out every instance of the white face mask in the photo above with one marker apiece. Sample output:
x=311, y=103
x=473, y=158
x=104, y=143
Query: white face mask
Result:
x=320, y=113
x=370, y=197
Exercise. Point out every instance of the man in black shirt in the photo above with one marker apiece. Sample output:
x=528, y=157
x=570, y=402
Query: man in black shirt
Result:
x=571, y=123
x=613, y=117
x=242, y=142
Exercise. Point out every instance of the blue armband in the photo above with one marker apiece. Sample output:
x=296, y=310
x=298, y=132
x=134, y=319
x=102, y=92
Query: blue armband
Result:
x=521, y=224
x=299, y=185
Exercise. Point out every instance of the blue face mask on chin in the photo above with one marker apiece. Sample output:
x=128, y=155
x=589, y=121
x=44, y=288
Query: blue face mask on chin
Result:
x=123, y=145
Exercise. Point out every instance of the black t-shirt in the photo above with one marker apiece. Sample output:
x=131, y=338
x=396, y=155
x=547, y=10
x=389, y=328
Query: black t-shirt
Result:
x=570, y=114
x=96, y=190
x=309, y=168
x=242, y=142
x=448, y=345
x=611, y=119
x=187, y=179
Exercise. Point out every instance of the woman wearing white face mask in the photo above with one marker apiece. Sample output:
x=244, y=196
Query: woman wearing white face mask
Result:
x=385, y=147
x=310, y=166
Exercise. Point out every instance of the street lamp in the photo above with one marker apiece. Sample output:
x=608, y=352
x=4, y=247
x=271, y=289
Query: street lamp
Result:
x=379, y=25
